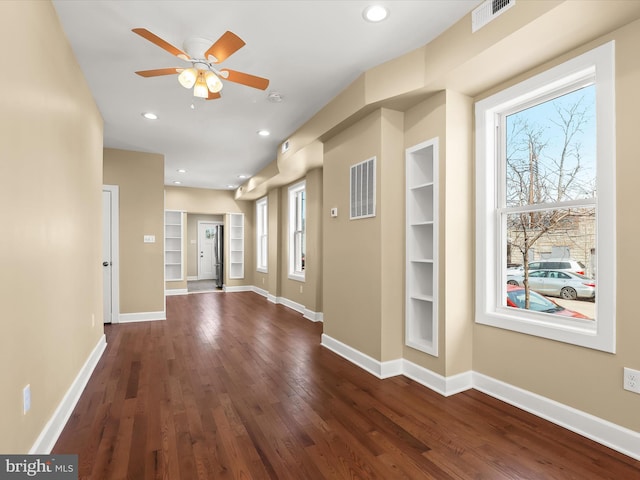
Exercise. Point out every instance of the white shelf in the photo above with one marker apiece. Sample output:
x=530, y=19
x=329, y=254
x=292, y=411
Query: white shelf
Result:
x=236, y=246
x=173, y=257
x=421, y=186
x=421, y=270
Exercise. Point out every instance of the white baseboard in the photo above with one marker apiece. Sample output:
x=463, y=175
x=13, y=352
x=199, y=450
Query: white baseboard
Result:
x=142, y=317
x=602, y=431
x=614, y=436
x=240, y=288
x=51, y=431
x=261, y=291
x=445, y=386
x=364, y=361
x=313, y=316
x=298, y=307
x=176, y=291
x=306, y=313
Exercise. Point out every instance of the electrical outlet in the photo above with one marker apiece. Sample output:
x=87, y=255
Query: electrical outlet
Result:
x=26, y=399
x=632, y=380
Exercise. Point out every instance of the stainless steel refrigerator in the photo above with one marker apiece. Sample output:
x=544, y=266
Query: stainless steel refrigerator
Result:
x=218, y=256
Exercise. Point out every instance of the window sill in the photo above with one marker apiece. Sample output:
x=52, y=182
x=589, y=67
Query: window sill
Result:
x=297, y=277
x=579, y=332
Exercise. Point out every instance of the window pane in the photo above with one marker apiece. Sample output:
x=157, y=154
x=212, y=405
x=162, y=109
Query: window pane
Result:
x=551, y=150
x=531, y=238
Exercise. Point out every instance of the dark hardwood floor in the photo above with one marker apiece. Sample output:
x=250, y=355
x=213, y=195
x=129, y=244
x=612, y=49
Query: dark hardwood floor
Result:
x=234, y=387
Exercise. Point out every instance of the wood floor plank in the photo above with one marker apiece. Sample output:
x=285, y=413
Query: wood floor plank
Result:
x=232, y=386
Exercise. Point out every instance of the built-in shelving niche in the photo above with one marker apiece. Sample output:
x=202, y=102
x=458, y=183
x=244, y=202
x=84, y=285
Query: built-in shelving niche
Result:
x=421, y=310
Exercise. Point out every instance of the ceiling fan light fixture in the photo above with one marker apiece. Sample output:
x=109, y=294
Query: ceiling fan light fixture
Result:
x=188, y=77
x=200, y=89
x=213, y=82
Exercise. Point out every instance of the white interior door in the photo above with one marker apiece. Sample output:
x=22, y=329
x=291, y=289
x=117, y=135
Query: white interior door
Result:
x=206, y=248
x=110, y=254
x=107, y=261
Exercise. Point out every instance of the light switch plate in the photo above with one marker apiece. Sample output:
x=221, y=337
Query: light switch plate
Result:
x=149, y=239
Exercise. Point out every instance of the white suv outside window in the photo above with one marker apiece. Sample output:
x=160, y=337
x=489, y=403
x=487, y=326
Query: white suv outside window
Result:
x=558, y=264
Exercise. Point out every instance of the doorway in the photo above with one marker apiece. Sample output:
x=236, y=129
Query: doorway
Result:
x=207, y=242
x=200, y=254
x=110, y=254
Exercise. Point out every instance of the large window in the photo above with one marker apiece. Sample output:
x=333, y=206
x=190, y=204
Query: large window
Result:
x=297, y=230
x=262, y=235
x=545, y=215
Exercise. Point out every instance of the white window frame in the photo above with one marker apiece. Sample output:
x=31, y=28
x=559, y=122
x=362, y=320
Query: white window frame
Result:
x=599, y=334
x=262, y=235
x=297, y=227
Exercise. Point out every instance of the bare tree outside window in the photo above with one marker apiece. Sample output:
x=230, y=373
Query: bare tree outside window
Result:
x=550, y=180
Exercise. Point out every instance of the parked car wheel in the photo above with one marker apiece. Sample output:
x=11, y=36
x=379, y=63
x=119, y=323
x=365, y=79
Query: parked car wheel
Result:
x=568, y=293
x=512, y=282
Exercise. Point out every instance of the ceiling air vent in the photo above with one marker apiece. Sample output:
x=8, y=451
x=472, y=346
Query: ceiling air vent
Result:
x=488, y=11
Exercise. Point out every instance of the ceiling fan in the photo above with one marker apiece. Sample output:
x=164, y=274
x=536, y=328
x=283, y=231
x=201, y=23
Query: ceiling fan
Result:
x=203, y=76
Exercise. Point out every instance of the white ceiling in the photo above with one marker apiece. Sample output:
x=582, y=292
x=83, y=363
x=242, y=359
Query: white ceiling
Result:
x=309, y=50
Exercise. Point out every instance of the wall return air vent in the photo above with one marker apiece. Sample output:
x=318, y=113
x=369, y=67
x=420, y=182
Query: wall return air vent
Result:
x=487, y=11
x=363, y=189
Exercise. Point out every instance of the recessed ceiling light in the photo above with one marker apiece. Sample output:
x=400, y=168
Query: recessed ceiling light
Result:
x=231, y=186
x=264, y=133
x=181, y=170
x=242, y=177
x=375, y=13
x=177, y=182
x=150, y=116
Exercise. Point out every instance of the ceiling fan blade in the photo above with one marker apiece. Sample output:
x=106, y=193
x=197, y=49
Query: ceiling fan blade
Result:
x=159, y=71
x=213, y=96
x=153, y=38
x=245, y=79
x=224, y=47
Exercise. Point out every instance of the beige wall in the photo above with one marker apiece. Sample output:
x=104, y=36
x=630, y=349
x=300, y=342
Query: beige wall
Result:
x=363, y=272
x=313, y=266
x=586, y=379
x=308, y=292
x=392, y=224
x=425, y=121
x=458, y=242
x=140, y=177
x=270, y=281
x=216, y=202
x=50, y=198
x=352, y=273
x=447, y=116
